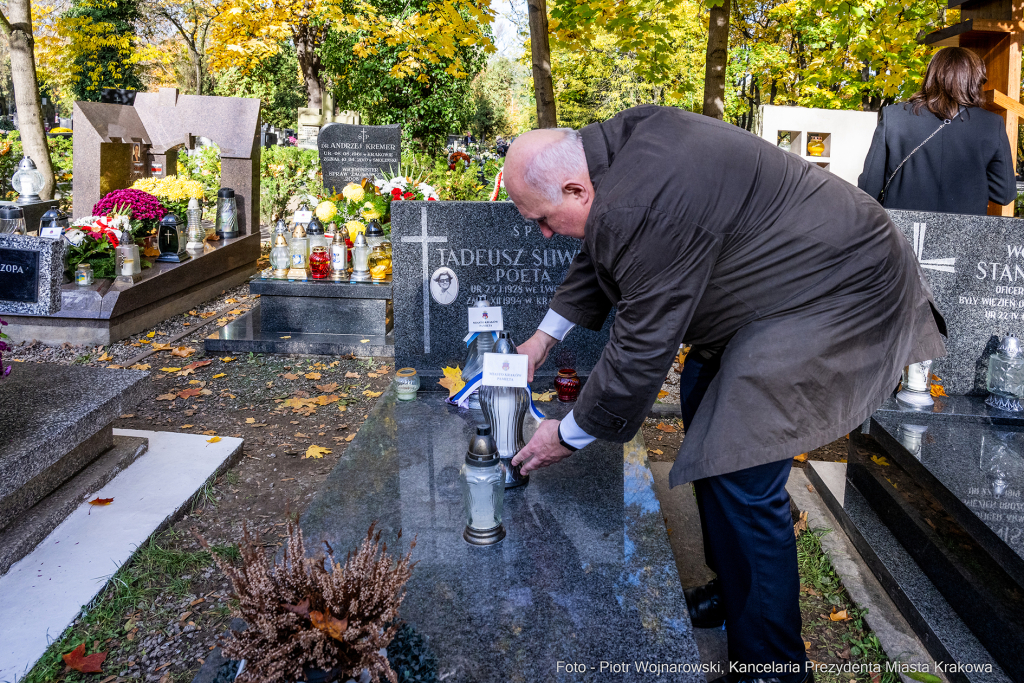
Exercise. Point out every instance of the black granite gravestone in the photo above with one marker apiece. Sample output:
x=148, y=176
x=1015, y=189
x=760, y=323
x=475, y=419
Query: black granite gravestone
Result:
x=448, y=253
x=350, y=153
x=975, y=267
x=31, y=274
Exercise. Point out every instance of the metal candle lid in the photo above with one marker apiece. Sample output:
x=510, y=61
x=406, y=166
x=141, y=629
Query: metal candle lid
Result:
x=315, y=227
x=504, y=344
x=300, y=231
x=483, y=451
x=52, y=218
x=280, y=241
x=280, y=227
x=1010, y=347
x=373, y=228
x=193, y=203
x=481, y=302
x=225, y=193
x=360, y=240
x=11, y=212
x=170, y=220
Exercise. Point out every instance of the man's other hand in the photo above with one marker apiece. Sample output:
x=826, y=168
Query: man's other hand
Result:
x=537, y=348
x=544, y=448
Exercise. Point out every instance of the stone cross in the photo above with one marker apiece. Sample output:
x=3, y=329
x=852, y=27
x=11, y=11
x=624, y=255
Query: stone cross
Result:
x=424, y=241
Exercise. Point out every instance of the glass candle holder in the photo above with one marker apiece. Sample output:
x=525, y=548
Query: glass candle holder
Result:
x=378, y=263
x=407, y=383
x=319, y=263
x=815, y=147
x=567, y=384
x=360, y=259
x=483, y=490
x=1005, y=380
x=83, y=275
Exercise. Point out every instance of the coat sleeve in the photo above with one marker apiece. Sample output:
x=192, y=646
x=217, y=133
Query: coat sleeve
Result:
x=1002, y=181
x=580, y=299
x=662, y=274
x=872, y=179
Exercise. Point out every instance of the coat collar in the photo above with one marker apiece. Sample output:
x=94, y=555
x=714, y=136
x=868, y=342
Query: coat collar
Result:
x=595, y=147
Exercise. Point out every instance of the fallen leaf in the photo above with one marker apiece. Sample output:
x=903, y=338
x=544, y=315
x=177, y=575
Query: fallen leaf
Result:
x=807, y=645
x=227, y=359
x=185, y=615
x=880, y=460
x=315, y=451
x=188, y=393
x=140, y=366
x=151, y=251
x=193, y=313
x=801, y=524
x=287, y=336
x=161, y=347
x=668, y=429
x=235, y=312
x=335, y=628
x=452, y=380
x=186, y=372
x=219, y=375
x=810, y=488
x=166, y=397
x=127, y=415
x=209, y=432
x=208, y=314
x=289, y=375
x=169, y=369
x=312, y=375
x=351, y=375
x=213, y=439
x=543, y=397
x=662, y=394
x=363, y=341
x=109, y=367
x=101, y=501
x=302, y=609
x=145, y=341
x=326, y=399
x=800, y=458
x=231, y=301
x=250, y=420
x=350, y=437
x=198, y=364
x=151, y=335
x=327, y=388
x=91, y=664
x=186, y=426
x=655, y=451
x=372, y=394
x=183, y=351
x=207, y=392
x=105, y=357
x=839, y=616
x=937, y=390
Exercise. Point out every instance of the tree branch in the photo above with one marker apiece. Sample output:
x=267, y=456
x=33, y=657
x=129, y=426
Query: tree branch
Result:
x=5, y=25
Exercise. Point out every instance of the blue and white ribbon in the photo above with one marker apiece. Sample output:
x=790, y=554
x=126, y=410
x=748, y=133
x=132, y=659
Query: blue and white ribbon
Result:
x=462, y=397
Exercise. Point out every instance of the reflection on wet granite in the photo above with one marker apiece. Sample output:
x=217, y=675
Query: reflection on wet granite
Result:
x=585, y=574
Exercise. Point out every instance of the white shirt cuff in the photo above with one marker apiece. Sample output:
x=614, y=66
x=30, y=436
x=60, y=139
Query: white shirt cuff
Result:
x=572, y=434
x=555, y=325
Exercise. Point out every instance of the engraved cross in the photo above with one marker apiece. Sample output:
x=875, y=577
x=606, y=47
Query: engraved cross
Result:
x=943, y=264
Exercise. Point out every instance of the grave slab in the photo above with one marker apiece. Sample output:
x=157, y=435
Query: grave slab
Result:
x=585, y=573
x=975, y=267
x=108, y=311
x=44, y=592
x=47, y=413
x=349, y=153
x=31, y=273
x=486, y=248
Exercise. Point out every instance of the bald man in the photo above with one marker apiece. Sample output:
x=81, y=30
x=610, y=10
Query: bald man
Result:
x=802, y=301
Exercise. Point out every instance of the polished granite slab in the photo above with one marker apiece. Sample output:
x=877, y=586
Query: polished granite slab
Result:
x=956, y=409
x=245, y=334
x=585, y=575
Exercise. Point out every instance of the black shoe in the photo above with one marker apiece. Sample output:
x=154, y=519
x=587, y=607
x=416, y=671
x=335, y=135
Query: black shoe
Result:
x=788, y=678
x=705, y=605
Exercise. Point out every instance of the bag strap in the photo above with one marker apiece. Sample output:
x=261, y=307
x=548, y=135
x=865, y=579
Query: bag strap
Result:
x=946, y=122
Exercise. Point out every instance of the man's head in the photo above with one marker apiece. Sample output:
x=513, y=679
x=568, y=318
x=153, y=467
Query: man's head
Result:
x=546, y=176
x=444, y=280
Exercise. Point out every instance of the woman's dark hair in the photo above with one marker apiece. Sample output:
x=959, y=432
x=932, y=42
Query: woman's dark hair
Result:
x=952, y=80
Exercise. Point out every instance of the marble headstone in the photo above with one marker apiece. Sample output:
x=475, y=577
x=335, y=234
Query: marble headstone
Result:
x=31, y=274
x=349, y=153
x=448, y=253
x=975, y=267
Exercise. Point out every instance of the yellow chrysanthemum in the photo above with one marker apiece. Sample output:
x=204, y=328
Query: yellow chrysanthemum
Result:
x=353, y=192
x=354, y=228
x=171, y=188
x=370, y=212
x=326, y=211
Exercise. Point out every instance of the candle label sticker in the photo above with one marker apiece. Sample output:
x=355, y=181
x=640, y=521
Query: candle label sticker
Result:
x=297, y=260
x=302, y=217
x=505, y=369
x=485, y=319
x=52, y=232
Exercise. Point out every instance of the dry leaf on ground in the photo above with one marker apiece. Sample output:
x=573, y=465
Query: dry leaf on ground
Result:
x=219, y=375
x=841, y=615
x=655, y=451
x=316, y=452
x=372, y=394
x=213, y=439
x=312, y=375
x=182, y=351
x=235, y=312
x=452, y=380
x=228, y=359
x=662, y=394
x=351, y=375
x=327, y=388
x=166, y=397
x=880, y=460
x=188, y=393
x=350, y=437
x=668, y=429
x=161, y=347
x=937, y=390
x=208, y=432
x=543, y=397
x=87, y=664
x=250, y=420
x=105, y=357
x=198, y=364
x=151, y=335
x=231, y=301
x=801, y=524
x=139, y=366
x=289, y=375
x=800, y=458
x=101, y=501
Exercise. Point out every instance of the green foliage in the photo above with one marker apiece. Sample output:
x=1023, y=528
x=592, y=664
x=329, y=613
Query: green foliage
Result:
x=203, y=166
x=411, y=657
x=274, y=80
x=284, y=173
x=102, y=45
x=430, y=106
x=10, y=156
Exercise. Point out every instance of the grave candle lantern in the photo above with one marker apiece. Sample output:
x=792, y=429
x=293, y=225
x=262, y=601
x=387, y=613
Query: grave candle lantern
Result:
x=475, y=350
x=1005, y=381
x=299, y=250
x=53, y=224
x=172, y=240
x=12, y=220
x=315, y=231
x=124, y=263
x=360, y=260
x=280, y=257
x=378, y=263
x=407, y=383
x=339, y=257
x=483, y=490
x=126, y=240
x=505, y=409
x=227, y=213
x=374, y=233
x=196, y=233
x=27, y=181
x=319, y=263
x=916, y=391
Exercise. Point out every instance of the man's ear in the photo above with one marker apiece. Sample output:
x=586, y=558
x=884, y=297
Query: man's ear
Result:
x=576, y=189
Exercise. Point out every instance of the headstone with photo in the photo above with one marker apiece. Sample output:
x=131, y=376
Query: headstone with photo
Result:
x=349, y=153
x=446, y=254
x=31, y=274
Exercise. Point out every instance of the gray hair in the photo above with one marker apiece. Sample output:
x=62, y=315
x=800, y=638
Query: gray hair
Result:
x=556, y=163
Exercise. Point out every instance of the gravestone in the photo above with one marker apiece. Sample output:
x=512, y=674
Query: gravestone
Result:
x=448, y=253
x=975, y=268
x=349, y=153
x=31, y=274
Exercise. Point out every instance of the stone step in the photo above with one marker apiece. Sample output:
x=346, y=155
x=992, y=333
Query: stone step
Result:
x=988, y=600
x=943, y=633
x=32, y=526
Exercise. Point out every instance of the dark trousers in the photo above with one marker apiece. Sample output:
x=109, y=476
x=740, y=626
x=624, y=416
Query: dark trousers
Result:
x=749, y=542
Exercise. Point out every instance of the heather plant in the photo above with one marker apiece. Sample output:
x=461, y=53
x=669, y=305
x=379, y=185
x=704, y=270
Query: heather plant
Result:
x=303, y=615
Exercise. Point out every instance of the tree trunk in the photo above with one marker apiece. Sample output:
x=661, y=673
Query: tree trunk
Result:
x=26, y=90
x=717, y=57
x=309, y=63
x=544, y=92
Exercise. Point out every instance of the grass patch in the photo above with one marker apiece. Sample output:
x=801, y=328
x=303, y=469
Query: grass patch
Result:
x=154, y=571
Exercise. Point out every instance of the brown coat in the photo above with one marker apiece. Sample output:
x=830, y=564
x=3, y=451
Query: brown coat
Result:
x=703, y=233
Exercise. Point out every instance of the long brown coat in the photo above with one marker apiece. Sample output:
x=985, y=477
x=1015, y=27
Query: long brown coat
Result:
x=703, y=233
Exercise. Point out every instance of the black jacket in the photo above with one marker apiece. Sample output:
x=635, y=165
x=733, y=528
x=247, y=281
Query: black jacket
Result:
x=958, y=171
x=704, y=233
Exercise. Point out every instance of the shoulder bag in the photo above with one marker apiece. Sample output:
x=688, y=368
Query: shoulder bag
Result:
x=946, y=122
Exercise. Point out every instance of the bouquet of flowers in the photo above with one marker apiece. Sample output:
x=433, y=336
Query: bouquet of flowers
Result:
x=401, y=188
x=93, y=240
x=143, y=209
x=173, y=192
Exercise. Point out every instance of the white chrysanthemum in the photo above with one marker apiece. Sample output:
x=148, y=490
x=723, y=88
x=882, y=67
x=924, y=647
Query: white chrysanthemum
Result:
x=74, y=236
x=427, y=190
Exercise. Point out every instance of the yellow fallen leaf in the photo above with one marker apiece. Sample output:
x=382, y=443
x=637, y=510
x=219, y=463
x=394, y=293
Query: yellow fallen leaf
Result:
x=208, y=432
x=372, y=374
x=839, y=616
x=109, y=367
x=668, y=429
x=183, y=351
x=193, y=313
x=937, y=390
x=186, y=372
x=662, y=394
x=351, y=375
x=350, y=437
x=363, y=341
x=105, y=357
x=327, y=399
x=543, y=397
x=186, y=426
x=140, y=366
x=452, y=380
x=170, y=369
x=655, y=451
x=250, y=420
x=880, y=460
x=312, y=375
x=151, y=335
x=372, y=394
x=342, y=409
x=145, y=341
x=800, y=458
x=227, y=359
x=287, y=336
x=231, y=301
x=213, y=439
x=219, y=375
x=235, y=312
x=157, y=346
x=315, y=451
x=289, y=375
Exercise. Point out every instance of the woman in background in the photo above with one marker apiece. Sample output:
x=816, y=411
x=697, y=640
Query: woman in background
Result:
x=941, y=151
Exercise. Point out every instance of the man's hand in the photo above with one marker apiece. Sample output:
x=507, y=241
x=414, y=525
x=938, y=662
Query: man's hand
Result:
x=543, y=449
x=537, y=348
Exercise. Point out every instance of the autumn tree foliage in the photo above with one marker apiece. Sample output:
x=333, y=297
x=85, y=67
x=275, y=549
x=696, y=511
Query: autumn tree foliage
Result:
x=101, y=46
